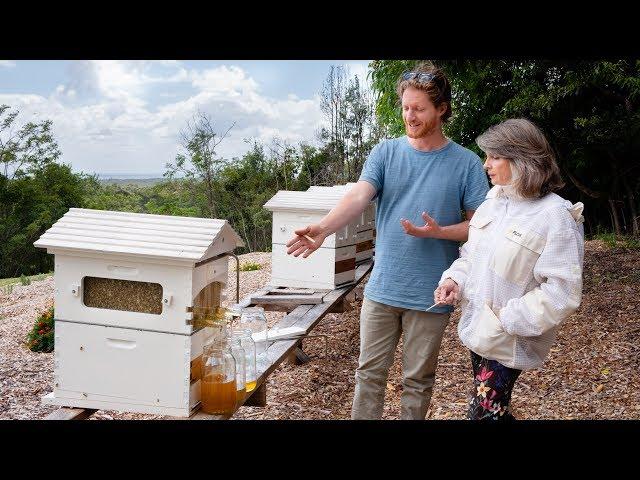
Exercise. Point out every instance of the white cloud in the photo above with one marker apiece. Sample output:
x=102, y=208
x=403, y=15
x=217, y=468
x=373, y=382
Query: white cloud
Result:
x=103, y=123
x=7, y=63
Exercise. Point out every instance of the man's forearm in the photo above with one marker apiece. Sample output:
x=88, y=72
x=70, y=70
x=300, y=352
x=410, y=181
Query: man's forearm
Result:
x=458, y=232
x=349, y=207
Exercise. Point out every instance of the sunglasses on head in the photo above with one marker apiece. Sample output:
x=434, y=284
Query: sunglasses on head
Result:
x=422, y=77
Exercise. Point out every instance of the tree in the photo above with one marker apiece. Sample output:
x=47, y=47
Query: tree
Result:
x=201, y=161
x=29, y=205
x=589, y=110
x=353, y=127
x=25, y=149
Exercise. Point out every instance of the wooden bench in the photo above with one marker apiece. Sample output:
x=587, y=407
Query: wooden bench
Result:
x=305, y=316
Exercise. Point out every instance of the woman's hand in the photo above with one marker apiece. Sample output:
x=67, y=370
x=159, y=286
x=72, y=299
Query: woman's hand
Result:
x=306, y=241
x=430, y=229
x=448, y=293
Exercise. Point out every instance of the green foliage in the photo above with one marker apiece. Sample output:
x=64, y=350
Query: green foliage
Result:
x=608, y=238
x=618, y=241
x=29, y=205
x=24, y=280
x=384, y=79
x=589, y=110
x=250, y=266
x=27, y=149
x=41, y=336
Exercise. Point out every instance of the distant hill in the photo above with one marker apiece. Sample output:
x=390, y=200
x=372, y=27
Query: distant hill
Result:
x=140, y=182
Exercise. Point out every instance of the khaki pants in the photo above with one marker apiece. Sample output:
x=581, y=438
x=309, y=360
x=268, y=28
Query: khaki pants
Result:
x=380, y=329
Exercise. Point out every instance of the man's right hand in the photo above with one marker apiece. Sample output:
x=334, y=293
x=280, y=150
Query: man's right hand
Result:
x=306, y=241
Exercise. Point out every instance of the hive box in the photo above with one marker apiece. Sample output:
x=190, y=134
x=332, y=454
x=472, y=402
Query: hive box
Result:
x=331, y=265
x=364, y=225
x=125, y=287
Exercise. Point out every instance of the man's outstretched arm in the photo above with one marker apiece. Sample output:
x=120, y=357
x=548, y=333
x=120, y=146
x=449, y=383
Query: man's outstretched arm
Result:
x=307, y=240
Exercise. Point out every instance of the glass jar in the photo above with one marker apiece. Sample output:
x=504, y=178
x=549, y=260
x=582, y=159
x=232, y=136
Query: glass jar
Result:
x=218, y=384
x=255, y=320
x=244, y=335
x=241, y=379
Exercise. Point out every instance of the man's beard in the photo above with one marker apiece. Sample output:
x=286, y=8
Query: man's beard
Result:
x=426, y=130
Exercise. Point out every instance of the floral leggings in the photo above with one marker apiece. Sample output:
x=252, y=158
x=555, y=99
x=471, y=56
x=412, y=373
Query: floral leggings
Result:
x=492, y=385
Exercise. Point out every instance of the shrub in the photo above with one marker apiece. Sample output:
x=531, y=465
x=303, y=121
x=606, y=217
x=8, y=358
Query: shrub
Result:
x=40, y=338
x=246, y=267
x=24, y=280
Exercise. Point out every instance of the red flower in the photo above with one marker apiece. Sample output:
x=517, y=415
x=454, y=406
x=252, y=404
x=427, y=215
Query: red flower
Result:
x=486, y=404
x=484, y=374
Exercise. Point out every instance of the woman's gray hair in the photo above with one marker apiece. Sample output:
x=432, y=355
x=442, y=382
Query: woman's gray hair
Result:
x=523, y=143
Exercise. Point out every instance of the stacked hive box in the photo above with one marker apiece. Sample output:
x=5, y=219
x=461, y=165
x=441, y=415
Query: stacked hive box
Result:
x=364, y=225
x=126, y=286
x=331, y=265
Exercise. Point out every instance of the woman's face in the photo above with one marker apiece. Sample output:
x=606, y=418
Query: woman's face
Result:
x=498, y=168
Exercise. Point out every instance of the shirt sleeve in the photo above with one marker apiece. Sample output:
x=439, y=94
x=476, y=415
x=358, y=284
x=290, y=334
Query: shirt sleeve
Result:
x=559, y=271
x=459, y=270
x=373, y=169
x=476, y=186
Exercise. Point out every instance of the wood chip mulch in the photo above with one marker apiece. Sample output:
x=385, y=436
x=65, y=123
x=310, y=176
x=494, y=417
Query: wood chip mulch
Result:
x=593, y=371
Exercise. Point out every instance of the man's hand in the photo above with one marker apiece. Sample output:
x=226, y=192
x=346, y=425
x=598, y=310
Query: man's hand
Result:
x=447, y=293
x=306, y=241
x=431, y=229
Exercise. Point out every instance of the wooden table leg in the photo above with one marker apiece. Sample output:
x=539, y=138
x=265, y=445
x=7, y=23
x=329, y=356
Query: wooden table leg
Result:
x=258, y=398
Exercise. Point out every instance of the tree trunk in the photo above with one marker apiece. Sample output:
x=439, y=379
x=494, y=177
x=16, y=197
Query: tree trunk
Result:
x=632, y=207
x=614, y=216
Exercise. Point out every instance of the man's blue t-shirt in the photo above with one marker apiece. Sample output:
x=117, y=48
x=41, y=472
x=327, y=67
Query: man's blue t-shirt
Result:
x=441, y=182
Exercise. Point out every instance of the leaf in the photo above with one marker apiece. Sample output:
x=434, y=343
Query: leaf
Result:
x=599, y=388
x=605, y=371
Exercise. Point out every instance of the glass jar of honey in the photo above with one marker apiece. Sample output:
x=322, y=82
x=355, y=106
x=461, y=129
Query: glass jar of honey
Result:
x=218, y=383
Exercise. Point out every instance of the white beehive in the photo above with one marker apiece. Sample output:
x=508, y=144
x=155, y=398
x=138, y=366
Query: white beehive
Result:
x=125, y=287
x=364, y=225
x=330, y=266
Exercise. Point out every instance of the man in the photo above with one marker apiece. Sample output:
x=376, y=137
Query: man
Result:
x=420, y=172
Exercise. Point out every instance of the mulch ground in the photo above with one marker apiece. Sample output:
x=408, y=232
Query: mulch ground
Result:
x=591, y=373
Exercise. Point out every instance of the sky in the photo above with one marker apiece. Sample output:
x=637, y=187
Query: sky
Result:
x=124, y=117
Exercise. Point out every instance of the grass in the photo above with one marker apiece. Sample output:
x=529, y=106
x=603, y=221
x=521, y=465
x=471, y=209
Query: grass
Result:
x=249, y=266
x=7, y=284
x=612, y=240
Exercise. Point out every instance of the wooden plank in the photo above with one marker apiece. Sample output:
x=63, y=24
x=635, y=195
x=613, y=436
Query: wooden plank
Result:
x=66, y=413
x=288, y=299
x=342, y=306
x=246, y=301
x=295, y=291
x=257, y=397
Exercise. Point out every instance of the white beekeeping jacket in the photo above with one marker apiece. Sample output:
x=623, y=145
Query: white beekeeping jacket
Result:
x=520, y=275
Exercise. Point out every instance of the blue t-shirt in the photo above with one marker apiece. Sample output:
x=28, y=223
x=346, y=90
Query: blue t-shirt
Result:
x=441, y=182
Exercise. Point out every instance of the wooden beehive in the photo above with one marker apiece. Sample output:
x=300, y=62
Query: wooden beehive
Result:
x=364, y=226
x=330, y=266
x=126, y=285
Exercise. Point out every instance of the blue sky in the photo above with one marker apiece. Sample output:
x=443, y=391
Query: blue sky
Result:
x=125, y=116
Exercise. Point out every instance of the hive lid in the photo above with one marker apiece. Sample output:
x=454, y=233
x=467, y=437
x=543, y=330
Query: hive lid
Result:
x=138, y=234
x=306, y=200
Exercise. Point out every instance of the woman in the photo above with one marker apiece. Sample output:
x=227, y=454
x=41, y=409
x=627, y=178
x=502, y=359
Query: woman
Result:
x=519, y=275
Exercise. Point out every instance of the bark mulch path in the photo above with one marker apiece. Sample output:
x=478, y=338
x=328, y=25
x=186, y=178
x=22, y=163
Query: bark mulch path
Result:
x=593, y=371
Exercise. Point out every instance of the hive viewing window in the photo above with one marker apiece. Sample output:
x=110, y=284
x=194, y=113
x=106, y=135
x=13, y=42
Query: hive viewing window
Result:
x=128, y=295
